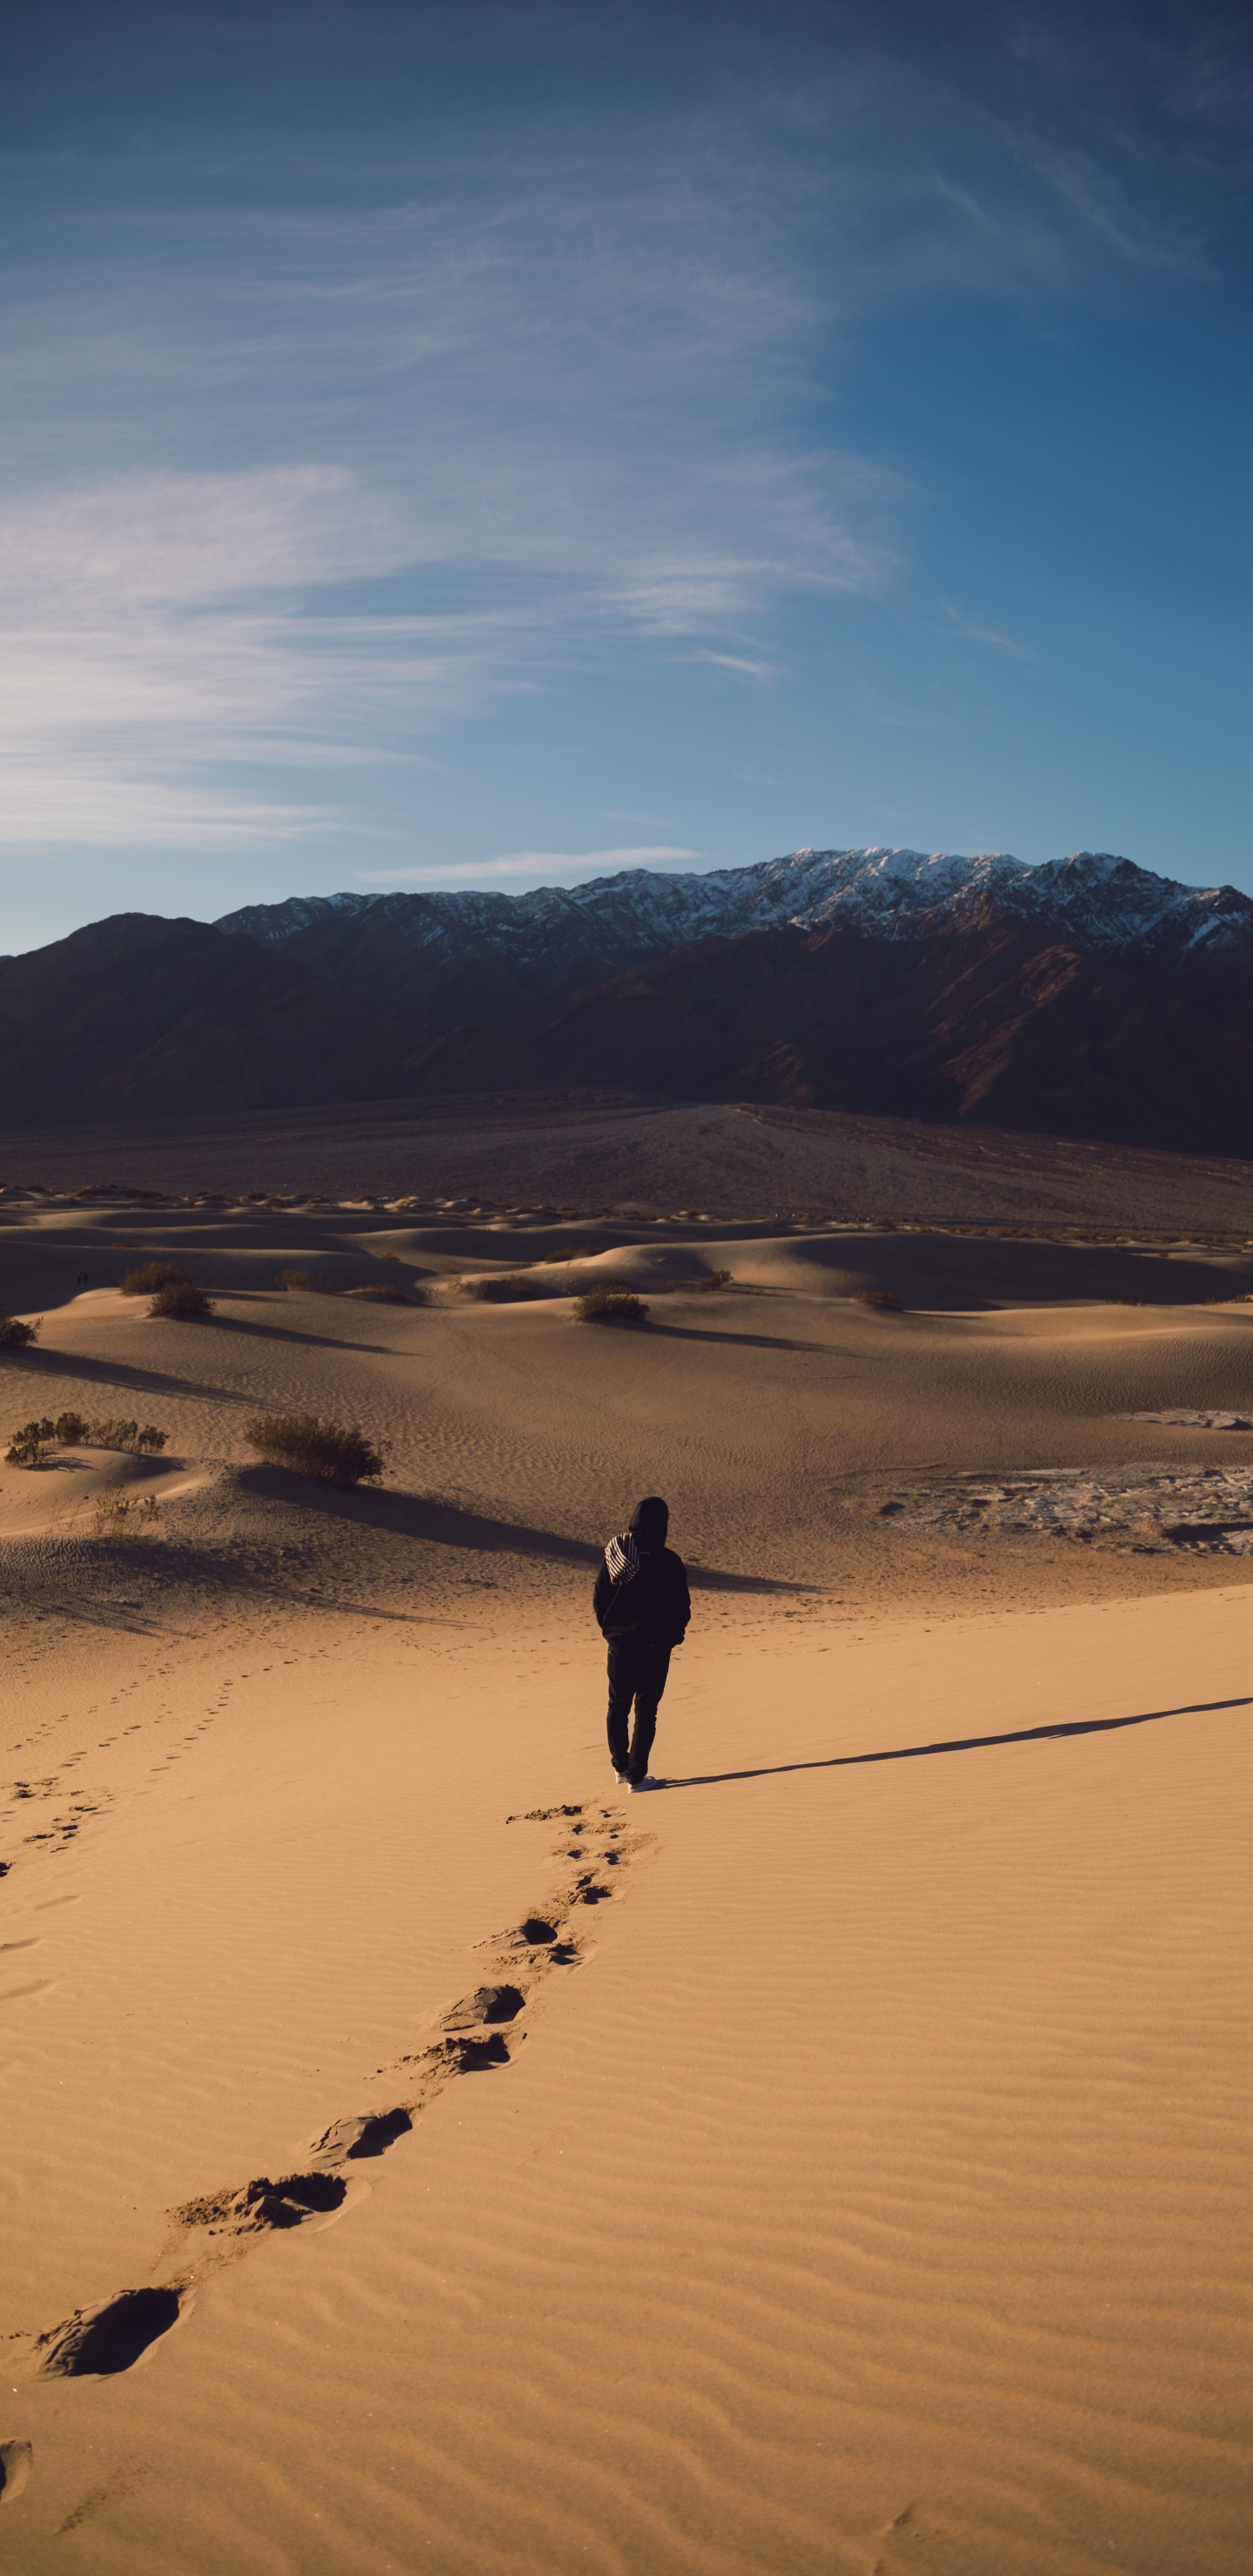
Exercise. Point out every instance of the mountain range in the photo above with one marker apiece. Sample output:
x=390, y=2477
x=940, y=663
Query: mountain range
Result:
x=1084, y=997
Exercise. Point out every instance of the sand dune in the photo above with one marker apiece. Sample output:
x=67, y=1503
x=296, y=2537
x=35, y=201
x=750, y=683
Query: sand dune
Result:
x=419, y=2154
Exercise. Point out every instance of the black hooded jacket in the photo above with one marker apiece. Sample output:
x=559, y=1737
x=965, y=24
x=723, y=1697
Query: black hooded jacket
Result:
x=654, y=1607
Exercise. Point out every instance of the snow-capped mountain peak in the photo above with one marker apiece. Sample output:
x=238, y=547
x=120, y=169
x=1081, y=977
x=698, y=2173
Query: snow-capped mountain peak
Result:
x=1093, y=897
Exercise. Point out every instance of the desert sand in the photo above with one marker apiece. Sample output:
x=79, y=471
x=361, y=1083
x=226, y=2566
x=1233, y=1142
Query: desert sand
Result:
x=420, y=2154
x=588, y=1153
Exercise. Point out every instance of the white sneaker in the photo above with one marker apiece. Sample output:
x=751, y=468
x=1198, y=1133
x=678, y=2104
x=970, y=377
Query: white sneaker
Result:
x=638, y=1786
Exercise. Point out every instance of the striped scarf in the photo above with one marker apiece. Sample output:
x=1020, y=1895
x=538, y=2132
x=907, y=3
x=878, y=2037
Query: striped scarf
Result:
x=622, y=1558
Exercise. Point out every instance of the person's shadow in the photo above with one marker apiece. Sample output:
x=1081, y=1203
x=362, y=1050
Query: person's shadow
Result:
x=958, y=1744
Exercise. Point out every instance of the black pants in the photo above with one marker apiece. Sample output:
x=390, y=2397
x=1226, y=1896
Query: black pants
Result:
x=637, y=1671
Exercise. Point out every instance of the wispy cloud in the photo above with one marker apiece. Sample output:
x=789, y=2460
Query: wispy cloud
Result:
x=973, y=633
x=161, y=632
x=524, y=863
x=737, y=662
x=506, y=399
x=166, y=629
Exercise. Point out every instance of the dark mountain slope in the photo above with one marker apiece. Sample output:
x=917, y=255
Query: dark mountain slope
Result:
x=990, y=1022
x=1105, y=1004
x=138, y=1017
x=434, y=961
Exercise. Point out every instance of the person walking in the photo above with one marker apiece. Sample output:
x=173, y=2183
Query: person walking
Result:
x=642, y=1608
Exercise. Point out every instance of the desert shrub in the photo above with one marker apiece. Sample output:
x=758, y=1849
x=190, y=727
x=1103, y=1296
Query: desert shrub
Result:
x=334, y=1453
x=124, y=1516
x=716, y=1279
x=14, y=1334
x=296, y=1279
x=610, y=1306
x=499, y=1291
x=144, y=1437
x=382, y=1293
x=29, y=1446
x=151, y=1277
x=880, y=1297
x=179, y=1299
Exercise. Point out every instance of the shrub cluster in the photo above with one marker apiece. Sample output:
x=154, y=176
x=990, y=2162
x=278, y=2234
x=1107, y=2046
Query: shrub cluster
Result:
x=152, y=1275
x=498, y=1291
x=14, y=1333
x=296, y=1279
x=715, y=1279
x=30, y=1445
x=179, y=1299
x=610, y=1306
x=123, y=1515
x=334, y=1453
x=880, y=1297
x=170, y=1291
x=381, y=1293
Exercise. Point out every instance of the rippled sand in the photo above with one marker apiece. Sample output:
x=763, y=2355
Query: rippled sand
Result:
x=419, y=2154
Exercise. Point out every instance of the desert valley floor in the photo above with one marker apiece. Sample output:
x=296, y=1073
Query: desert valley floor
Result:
x=831, y=2165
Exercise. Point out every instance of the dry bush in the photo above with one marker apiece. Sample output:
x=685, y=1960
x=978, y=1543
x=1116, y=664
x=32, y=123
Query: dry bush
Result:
x=295, y=1280
x=180, y=1300
x=499, y=1291
x=151, y=1277
x=882, y=1298
x=610, y=1306
x=143, y=1437
x=716, y=1279
x=14, y=1334
x=381, y=1293
x=124, y=1516
x=29, y=1446
x=333, y=1453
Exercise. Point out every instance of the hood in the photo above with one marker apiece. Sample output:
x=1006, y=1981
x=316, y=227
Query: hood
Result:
x=650, y=1521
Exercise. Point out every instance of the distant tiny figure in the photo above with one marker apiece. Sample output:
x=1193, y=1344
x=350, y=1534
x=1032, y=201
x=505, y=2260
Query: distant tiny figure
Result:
x=642, y=1605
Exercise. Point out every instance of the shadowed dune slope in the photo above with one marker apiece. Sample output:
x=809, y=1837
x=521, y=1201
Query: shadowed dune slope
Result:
x=599, y=1151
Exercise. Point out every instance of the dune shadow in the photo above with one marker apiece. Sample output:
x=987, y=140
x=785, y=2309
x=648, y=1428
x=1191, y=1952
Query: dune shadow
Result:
x=422, y=1516
x=961, y=1744
x=40, y=1361
x=288, y=1333
x=751, y=1341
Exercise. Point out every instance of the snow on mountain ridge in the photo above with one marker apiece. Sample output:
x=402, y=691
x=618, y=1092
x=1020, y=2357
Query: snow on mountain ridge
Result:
x=1104, y=901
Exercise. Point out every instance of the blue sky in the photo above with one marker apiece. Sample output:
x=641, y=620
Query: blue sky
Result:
x=485, y=445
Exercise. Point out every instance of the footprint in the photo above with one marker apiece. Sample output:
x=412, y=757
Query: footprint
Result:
x=99, y=2342
x=370, y=2133
x=262, y=2203
x=545, y=1815
x=465, y=2055
x=15, y=2460
x=536, y=1931
x=486, y=2004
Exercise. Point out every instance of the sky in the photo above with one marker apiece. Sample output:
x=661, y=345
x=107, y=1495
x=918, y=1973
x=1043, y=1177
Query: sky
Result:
x=494, y=443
